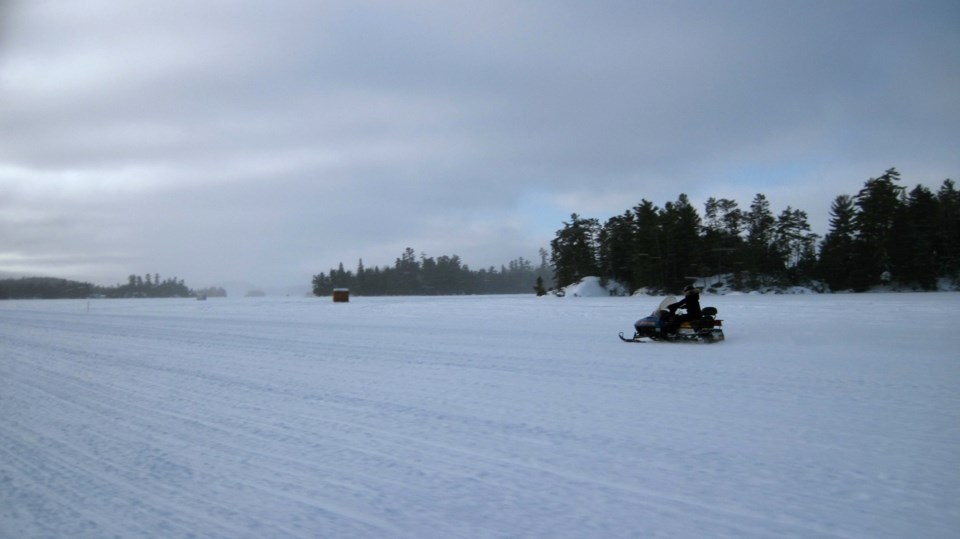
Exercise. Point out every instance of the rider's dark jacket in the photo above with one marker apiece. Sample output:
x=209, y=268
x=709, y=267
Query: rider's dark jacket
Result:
x=691, y=303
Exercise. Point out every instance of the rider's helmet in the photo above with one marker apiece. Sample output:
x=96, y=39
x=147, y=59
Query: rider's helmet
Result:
x=690, y=290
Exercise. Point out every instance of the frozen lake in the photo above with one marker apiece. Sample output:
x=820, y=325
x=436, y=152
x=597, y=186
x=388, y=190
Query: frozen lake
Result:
x=502, y=416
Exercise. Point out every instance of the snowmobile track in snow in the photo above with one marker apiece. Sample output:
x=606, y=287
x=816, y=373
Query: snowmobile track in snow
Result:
x=280, y=418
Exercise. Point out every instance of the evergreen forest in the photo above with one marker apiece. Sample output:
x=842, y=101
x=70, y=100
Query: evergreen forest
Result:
x=148, y=286
x=883, y=235
x=886, y=234
x=444, y=275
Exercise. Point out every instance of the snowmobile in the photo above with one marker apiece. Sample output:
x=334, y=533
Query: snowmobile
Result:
x=653, y=328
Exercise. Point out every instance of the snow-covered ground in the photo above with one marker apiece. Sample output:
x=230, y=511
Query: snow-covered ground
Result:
x=508, y=416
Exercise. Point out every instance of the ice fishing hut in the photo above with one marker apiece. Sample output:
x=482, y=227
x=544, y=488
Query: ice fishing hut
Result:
x=341, y=295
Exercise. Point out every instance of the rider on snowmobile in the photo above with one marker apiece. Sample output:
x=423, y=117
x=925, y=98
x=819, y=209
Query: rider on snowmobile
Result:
x=690, y=302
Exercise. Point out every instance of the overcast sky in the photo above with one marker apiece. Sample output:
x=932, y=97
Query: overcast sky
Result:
x=264, y=142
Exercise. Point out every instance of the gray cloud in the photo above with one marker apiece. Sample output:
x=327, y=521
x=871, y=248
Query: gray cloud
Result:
x=265, y=142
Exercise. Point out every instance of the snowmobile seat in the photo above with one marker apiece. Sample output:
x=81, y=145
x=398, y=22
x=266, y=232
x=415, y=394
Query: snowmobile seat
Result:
x=703, y=323
x=709, y=311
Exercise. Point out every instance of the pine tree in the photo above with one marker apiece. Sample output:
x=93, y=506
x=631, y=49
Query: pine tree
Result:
x=913, y=255
x=795, y=244
x=574, y=251
x=836, y=252
x=647, y=254
x=761, y=256
x=360, y=280
x=721, y=233
x=538, y=287
x=878, y=204
x=616, y=244
x=544, y=270
x=680, y=223
x=322, y=286
x=948, y=229
x=408, y=273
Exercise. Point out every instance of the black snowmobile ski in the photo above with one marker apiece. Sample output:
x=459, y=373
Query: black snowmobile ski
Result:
x=690, y=339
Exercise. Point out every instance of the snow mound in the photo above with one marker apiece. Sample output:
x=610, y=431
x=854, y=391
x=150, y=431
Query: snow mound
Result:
x=723, y=285
x=718, y=285
x=590, y=287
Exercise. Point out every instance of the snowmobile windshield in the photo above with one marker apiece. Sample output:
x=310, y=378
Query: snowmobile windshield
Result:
x=667, y=301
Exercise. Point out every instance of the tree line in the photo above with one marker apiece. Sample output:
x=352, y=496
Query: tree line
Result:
x=151, y=287
x=423, y=275
x=883, y=234
x=147, y=286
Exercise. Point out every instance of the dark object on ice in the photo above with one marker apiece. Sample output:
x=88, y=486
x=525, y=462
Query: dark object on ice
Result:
x=341, y=295
x=662, y=325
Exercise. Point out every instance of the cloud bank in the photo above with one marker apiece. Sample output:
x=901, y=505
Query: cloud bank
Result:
x=266, y=142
